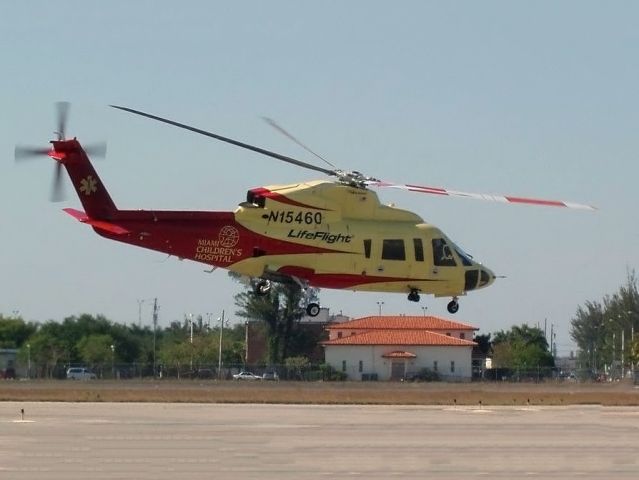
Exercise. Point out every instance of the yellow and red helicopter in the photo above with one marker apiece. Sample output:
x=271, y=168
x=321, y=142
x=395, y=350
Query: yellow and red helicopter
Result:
x=324, y=233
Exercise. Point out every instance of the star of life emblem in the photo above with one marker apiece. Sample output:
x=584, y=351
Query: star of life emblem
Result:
x=88, y=185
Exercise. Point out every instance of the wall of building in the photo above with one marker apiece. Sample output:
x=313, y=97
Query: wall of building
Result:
x=373, y=362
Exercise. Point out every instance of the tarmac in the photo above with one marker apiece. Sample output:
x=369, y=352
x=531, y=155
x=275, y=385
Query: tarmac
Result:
x=250, y=441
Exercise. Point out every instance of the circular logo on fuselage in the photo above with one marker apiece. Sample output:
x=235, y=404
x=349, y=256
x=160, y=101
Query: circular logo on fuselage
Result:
x=229, y=236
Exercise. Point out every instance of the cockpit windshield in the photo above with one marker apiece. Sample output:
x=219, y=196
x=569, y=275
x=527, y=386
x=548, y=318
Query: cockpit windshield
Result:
x=465, y=258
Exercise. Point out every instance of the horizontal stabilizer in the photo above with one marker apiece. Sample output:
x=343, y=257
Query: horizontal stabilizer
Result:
x=101, y=224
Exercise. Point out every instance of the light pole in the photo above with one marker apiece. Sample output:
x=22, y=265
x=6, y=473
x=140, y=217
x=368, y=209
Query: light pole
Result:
x=112, y=364
x=28, y=360
x=614, y=353
x=626, y=314
x=379, y=307
x=155, y=325
x=191, y=324
x=140, y=302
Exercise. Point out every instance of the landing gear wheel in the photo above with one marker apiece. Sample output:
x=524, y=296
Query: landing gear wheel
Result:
x=312, y=310
x=453, y=306
x=413, y=296
x=262, y=287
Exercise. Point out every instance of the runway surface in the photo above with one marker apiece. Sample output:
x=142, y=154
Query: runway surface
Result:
x=206, y=441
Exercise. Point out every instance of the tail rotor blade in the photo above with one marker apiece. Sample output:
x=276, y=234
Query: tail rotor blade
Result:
x=57, y=192
x=62, y=113
x=29, y=153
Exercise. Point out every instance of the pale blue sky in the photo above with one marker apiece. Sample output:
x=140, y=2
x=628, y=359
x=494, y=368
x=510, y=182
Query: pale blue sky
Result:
x=527, y=98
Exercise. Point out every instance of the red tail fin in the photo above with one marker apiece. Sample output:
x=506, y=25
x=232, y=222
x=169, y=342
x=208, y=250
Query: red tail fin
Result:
x=93, y=194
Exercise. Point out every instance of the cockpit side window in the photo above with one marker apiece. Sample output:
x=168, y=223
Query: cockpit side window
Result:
x=442, y=255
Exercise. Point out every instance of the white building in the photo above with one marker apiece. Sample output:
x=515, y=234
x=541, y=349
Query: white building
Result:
x=395, y=347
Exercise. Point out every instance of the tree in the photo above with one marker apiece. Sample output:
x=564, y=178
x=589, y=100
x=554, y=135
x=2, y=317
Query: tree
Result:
x=296, y=366
x=14, y=332
x=521, y=347
x=484, y=344
x=47, y=349
x=597, y=324
x=95, y=350
x=280, y=310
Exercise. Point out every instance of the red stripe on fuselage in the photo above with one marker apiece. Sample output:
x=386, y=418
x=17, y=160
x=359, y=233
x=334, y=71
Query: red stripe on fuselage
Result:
x=340, y=280
x=199, y=236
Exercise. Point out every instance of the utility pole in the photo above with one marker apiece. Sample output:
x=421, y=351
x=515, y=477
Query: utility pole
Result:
x=155, y=325
x=246, y=342
x=546, y=329
x=219, y=353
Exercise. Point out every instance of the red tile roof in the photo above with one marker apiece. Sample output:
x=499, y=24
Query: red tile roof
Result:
x=397, y=354
x=386, y=322
x=400, y=337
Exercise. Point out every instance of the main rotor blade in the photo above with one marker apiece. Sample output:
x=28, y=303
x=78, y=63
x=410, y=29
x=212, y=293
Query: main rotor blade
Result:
x=268, y=153
x=96, y=149
x=28, y=153
x=483, y=196
x=273, y=124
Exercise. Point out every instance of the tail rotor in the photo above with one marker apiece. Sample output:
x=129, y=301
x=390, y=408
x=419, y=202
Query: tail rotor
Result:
x=25, y=153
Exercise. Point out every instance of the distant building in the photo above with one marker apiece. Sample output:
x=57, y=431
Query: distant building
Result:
x=8, y=357
x=396, y=347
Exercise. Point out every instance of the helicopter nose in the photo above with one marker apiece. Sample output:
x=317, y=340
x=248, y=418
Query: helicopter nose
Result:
x=486, y=277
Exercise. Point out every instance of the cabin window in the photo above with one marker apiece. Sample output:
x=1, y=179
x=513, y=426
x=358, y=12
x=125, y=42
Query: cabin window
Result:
x=419, y=249
x=339, y=334
x=361, y=366
x=367, y=248
x=442, y=256
x=452, y=366
x=462, y=335
x=435, y=366
x=343, y=365
x=393, y=250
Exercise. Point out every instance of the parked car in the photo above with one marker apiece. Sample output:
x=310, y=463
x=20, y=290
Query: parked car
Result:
x=80, y=373
x=205, y=373
x=270, y=375
x=246, y=376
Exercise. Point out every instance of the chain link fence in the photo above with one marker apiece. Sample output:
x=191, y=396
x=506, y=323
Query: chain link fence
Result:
x=315, y=372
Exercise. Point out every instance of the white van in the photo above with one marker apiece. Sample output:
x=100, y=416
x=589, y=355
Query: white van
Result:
x=79, y=373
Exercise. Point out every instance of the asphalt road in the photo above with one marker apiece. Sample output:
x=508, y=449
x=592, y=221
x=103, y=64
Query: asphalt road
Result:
x=221, y=441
